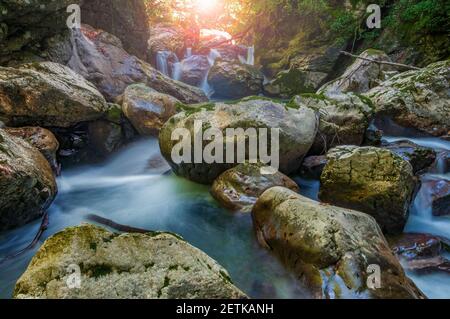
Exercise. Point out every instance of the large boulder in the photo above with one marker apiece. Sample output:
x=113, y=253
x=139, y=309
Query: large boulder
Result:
x=40, y=138
x=344, y=119
x=417, y=99
x=126, y=266
x=297, y=130
x=331, y=250
x=147, y=109
x=362, y=75
x=27, y=184
x=47, y=94
x=306, y=73
x=127, y=19
x=371, y=180
x=234, y=80
x=239, y=188
x=99, y=57
x=27, y=28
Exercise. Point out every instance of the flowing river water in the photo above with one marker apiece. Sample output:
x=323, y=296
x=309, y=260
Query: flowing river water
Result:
x=128, y=190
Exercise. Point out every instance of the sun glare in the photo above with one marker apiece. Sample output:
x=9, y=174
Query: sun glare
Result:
x=206, y=5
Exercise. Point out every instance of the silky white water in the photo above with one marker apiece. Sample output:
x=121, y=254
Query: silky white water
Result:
x=129, y=191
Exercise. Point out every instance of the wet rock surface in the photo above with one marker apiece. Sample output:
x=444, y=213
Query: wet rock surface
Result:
x=239, y=188
x=27, y=183
x=328, y=248
x=253, y=113
x=371, y=180
x=47, y=94
x=126, y=266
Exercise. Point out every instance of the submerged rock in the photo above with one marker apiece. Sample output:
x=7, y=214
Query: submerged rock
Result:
x=331, y=250
x=147, y=109
x=418, y=99
x=234, y=80
x=438, y=191
x=420, y=157
x=344, y=119
x=126, y=266
x=27, y=184
x=239, y=188
x=105, y=137
x=312, y=166
x=371, y=180
x=362, y=75
x=47, y=94
x=42, y=139
x=422, y=253
x=111, y=69
x=297, y=130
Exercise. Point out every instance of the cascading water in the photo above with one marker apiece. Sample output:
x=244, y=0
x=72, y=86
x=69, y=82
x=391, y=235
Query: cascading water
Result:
x=212, y=57
x=162, y=61
x=128, y=190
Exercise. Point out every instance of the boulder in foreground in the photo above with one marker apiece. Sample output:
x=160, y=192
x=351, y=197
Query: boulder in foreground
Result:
x=126, y=266
x=331, y=250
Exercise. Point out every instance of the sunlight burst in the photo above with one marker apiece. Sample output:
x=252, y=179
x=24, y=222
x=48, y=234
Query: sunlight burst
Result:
x=206, y=5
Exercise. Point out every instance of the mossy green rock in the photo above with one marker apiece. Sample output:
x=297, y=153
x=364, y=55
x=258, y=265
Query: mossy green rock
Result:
x=418, y=99
x=362, y=75
x=329, y=249
x=147, y=109
x=126, y=266
x=239, y=188
x=297, y=131
x=371, y=180
x=234, y=80
x=344, y=119
x=27, y=184
x=47, y=94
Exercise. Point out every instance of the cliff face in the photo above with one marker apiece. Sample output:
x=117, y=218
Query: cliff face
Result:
x=126, y=19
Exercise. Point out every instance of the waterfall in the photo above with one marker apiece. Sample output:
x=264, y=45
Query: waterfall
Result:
x=250, y=58
x=188, y=53
x=212, y=57
x=177, y=71
x=162, y=61
x=251, y=55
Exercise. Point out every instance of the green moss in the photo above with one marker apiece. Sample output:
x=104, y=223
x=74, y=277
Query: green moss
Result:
x=194, y=108
x=225, y=277
x=93, y=246
x=173, y=267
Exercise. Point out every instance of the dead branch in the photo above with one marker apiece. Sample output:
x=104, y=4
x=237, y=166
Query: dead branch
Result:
x=410, y=67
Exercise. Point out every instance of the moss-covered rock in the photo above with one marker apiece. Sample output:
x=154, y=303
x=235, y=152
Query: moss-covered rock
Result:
x=344, y=119
x=418, y=99
x=371, y=180
x=27, y=184
x=47, y=94
x=239, y=188
x=329, y=249
x=307, y=71
x=362, y=75
x=147, y=109
x=233, y=80
x=40, y=138
x=297, y=130
x=126, y=266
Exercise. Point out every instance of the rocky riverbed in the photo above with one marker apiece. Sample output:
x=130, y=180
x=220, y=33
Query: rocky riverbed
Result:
x=86, y=125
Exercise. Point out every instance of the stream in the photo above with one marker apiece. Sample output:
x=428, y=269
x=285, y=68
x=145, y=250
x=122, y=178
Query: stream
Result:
x=129, y=191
